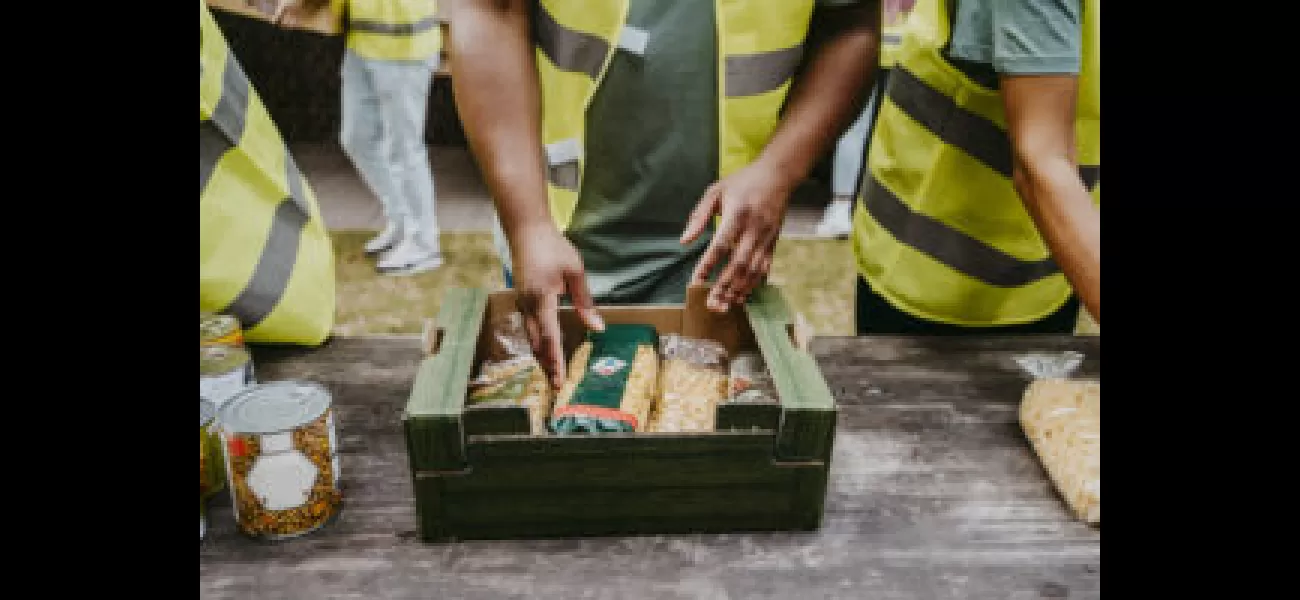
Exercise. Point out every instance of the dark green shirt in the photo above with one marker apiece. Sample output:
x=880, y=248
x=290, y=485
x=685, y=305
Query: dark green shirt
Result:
x=651, y=150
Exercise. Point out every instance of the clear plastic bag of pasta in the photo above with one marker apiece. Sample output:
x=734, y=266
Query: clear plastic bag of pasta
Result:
x=692, y=381
x=511, y=375
x=1061, y=416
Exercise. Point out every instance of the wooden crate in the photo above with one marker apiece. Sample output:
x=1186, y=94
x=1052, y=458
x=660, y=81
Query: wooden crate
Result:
x=479, y=474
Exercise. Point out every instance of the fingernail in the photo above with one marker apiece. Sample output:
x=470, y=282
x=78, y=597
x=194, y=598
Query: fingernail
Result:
x=600, y=323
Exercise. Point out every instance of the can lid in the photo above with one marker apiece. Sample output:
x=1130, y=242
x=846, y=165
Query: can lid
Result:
x=213, y=325
x=220, y=358
x=207, y=412
x=274, y=406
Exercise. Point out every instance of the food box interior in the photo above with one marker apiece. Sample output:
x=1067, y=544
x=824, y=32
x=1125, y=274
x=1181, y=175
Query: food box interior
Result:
x=479, y=472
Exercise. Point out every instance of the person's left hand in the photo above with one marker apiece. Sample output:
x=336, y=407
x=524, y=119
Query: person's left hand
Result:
x=752, y=204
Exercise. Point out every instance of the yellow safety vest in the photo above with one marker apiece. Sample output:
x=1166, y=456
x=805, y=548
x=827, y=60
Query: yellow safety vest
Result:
x=393, y=29
x=264, y=253
x=940, y=232
x=760, y=43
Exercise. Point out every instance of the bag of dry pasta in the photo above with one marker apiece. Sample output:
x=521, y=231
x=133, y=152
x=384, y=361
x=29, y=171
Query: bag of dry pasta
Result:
x=611, y=383
x=1061, y=416
x=692, y=381
x=749, y=379
x=511, y=375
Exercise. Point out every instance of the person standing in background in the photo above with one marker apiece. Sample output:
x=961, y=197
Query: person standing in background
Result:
x=392, y=52
x=851, y=149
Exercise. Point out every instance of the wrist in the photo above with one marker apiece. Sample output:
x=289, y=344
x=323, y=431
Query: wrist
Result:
x=528, y=231
x=785, y=173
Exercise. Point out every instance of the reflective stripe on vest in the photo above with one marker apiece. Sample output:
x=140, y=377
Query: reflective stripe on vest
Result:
x=264, y=255
x=941, y=232
x=760, y=43
x=394, y=29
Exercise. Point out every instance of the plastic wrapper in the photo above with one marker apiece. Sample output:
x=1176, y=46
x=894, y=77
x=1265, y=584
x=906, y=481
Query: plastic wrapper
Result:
x=511, y=375
x=1061, y=416
x=750, y=380
x=692, y=381
x=612, y=381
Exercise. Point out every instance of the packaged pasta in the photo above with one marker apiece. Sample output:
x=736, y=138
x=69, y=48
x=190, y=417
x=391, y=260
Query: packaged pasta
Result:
x=692, y=381
x=750, y=379
x=611, y=383
x=1061, y=417
x=511, y=375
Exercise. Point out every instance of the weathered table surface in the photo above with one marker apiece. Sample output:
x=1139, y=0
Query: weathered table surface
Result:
x=934, y=493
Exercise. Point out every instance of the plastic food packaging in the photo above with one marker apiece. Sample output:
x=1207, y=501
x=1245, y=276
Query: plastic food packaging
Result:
x=511, y=376
x=750, y=379
x=692, y=381
x=612, y=382
x=1061, y=416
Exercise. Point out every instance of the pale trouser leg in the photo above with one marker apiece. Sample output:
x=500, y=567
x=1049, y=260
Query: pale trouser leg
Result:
x=362, y=135
x=403, y=106
x=851, y=148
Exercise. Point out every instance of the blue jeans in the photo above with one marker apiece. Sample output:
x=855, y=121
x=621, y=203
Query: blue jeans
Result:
x=384, y=105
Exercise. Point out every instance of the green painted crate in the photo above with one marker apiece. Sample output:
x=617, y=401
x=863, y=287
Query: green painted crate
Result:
x=479, y=474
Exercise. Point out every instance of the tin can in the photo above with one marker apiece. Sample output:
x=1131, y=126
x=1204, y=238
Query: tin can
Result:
x=217, y=329
x=212, y=465
x=223, y=371
x=282, y=462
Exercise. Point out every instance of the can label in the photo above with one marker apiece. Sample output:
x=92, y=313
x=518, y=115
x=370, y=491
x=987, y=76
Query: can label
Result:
x=217, y=389
x=281, y=477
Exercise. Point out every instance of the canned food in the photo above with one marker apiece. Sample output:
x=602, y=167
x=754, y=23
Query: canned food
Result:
x=220, y=329
x=281, y=458
x=212, y=465
x=223, y=371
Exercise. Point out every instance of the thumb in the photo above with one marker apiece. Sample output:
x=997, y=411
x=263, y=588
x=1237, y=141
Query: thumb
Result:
x=699, y=219
x=576, y=284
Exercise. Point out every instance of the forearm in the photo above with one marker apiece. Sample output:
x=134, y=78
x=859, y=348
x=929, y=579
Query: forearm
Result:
x=1068, y=221
x=829, y=91
x=497, y=95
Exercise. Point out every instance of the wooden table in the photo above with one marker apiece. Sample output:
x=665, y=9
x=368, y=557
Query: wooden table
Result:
x=934, y=493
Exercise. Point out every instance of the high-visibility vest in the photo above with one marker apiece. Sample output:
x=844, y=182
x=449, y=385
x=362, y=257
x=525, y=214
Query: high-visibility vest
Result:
x=940, y=232
x=392, y=29
x=264, y=253
x=759, y=43
x=893, y=17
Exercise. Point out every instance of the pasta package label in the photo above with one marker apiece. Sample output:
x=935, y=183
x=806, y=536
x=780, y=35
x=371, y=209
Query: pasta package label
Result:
x=611, y=382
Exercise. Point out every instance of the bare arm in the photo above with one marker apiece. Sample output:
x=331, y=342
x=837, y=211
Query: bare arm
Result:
x=498, y=97
x=1040, y=116
x=826, y=95
x=829, y=91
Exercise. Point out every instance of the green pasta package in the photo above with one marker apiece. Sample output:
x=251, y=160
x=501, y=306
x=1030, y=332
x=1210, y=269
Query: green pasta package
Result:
x=611, y=383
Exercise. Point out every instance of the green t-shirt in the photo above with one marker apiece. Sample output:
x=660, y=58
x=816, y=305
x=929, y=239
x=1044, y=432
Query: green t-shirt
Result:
x=651, y=150
x=1032, y=37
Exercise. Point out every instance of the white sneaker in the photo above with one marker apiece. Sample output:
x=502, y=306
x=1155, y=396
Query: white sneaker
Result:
x=837, y=221
x=384, y=240
x=408, y=257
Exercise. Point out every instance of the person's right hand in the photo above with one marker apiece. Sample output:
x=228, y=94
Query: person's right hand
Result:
x=547, y=266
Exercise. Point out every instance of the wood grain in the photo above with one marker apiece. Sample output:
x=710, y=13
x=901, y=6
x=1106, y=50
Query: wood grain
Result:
x=933, y=494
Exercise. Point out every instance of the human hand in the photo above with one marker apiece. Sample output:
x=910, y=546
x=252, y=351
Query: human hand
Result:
x=547, y=266
x=752, y=204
